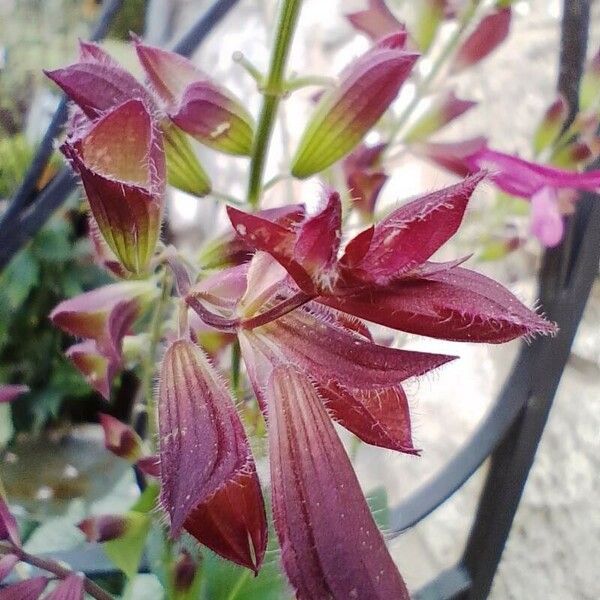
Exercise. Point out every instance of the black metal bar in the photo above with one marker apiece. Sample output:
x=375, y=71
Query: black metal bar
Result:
x=14, y=235
x=26, y=190
x=565, y=285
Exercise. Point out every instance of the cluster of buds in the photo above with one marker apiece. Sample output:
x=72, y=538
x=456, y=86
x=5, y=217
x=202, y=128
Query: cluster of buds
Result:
x=291, y=289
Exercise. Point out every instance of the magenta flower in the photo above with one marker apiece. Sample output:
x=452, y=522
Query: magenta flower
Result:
x=121, y=162
x=384, y=274
x=345, y=113
x=7, y=564
x=8, y=524
x=30, y=589
x=541, y=184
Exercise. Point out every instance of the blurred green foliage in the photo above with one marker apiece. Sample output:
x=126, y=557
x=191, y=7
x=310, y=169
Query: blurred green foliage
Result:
x=55, y=265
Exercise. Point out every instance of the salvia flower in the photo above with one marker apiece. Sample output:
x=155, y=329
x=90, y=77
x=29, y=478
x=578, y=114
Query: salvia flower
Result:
x=98, y=368
x=195, y=103
x=104, y=528
x=7, y=564
x=541, y=184
x=384, y=274
x=345, y=113
x=121, y=162
x=209, y=482
x=376, y=20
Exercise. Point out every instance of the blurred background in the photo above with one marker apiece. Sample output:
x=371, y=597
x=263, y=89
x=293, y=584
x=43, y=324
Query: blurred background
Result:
x=553, y=549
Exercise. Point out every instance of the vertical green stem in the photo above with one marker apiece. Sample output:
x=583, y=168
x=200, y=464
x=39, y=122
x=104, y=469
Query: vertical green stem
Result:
x=149, y=366
x=272, y=91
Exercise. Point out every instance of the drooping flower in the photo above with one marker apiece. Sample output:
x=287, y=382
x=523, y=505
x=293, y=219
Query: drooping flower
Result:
x=385, y=276
x=376, y=20
x=331, y=547
x=122, y=166
x=209, y=482
x=365, y=177
x=197, y=104
x=541, y=184
x=10, y=392
x=345, y=113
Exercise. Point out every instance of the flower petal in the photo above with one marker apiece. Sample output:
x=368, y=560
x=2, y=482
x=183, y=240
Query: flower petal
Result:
x=203, y=449
x=122, y=166
x=97, y=368
x=411, y=234
x=376, y=20
x=546, y=221
x=121, y=439
x=490, y=32
x=311, y=338
x=30, y=589
x=8, y=524
x=321, y=516
x=211, y=115
x=104, y=314
x=232, y=522
x=70, y=588
x=7, y=564
x=377, y=416
x=453, y=304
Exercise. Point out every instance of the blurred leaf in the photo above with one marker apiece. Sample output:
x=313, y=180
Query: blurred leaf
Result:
x=126, y=551
x=19, y=278
x=144, y=587
x=6, y=425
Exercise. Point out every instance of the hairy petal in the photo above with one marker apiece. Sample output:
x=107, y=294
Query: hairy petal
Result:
x=314, y=340
x=378, y=416
x=454, y=304
x=411, y=234
x=203, y=452
x=321, y=516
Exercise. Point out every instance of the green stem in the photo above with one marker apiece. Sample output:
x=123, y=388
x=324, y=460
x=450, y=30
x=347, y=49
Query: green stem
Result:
x=235, y=370
x=423, y=85
x=150, y=362
x=272, y=92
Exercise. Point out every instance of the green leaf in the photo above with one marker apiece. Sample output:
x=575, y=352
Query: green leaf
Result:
x=20, y=277
x=126, y=551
